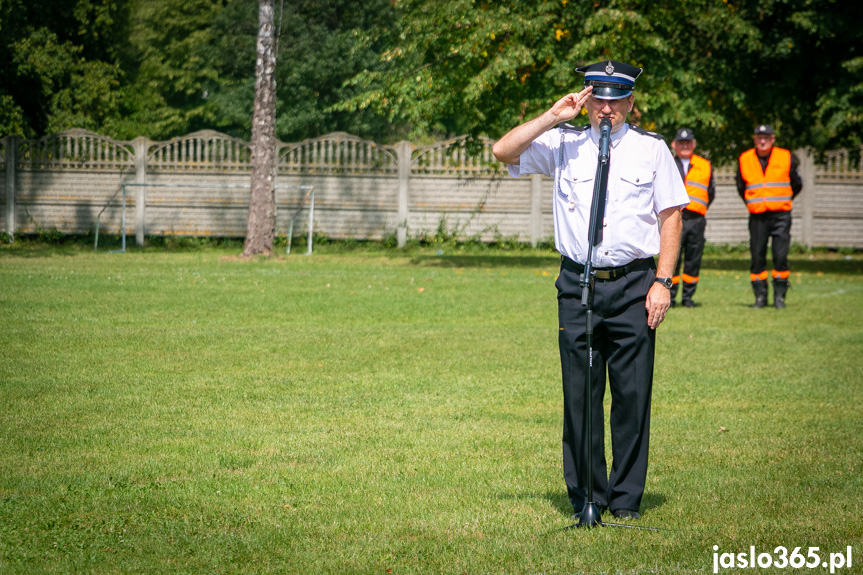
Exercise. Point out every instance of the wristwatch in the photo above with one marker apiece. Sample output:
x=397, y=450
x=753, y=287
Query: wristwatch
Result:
x=667, y=282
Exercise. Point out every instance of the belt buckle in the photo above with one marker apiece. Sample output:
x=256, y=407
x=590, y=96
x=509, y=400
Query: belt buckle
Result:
x=604, y=274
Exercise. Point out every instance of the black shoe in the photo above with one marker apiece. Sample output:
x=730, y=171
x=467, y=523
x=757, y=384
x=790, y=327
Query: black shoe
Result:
x=689, y=303
x=778, y=302
x=760, y=302
x=626, y=514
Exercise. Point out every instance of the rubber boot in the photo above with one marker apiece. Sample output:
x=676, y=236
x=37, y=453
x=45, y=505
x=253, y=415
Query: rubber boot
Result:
x=760, y=289
x=780, y=286
x=688, y=292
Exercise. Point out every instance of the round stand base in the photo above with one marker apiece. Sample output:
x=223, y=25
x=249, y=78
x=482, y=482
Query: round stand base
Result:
x=590, y=516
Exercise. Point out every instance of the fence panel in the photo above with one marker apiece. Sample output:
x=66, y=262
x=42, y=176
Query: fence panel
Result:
x=337, y=154
x=204, y=151
x=65, y=181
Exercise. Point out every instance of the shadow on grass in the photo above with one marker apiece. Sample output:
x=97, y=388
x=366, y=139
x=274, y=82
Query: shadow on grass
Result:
x=33, y=247
x=801, y=263
x=819, y=263
x=652, y=500
x=487, y=261
x=560, y=501
x=49, y=251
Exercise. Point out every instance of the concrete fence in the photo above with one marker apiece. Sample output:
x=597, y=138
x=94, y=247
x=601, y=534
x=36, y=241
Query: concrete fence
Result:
x=197, y=185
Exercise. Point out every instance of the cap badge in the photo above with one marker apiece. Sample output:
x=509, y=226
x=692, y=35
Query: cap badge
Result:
x=609, y=68
x=762, y=128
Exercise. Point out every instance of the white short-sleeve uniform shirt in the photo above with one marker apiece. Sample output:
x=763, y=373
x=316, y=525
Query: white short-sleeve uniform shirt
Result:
x=643, y=180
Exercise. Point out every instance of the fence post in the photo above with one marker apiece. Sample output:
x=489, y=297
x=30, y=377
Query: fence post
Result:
x=403, y=151
x=807, y=175
x=535, y=209
x=11, y=159
x=141, y=145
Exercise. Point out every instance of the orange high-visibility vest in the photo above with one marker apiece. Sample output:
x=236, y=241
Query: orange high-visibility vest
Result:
x=767, y=190
x=697, y=181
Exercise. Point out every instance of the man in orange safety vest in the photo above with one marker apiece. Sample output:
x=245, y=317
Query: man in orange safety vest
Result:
x=768, y=182
x=697, y=174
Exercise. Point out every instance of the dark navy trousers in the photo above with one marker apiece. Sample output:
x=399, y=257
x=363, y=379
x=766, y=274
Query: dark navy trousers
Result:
x=691, y=252
x=623, y=348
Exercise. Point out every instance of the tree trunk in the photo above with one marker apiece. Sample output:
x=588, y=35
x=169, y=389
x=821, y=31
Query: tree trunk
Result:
x=261, y=225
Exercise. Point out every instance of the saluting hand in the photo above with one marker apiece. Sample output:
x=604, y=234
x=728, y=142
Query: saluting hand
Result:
x=570, y=105
x=509, y=148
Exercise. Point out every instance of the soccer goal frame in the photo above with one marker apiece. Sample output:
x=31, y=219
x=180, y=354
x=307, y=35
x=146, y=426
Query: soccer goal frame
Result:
x=309, y=197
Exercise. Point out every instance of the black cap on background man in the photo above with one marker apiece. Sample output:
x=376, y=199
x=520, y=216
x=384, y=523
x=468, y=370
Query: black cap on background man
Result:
x=684, y=134
x=763, y=138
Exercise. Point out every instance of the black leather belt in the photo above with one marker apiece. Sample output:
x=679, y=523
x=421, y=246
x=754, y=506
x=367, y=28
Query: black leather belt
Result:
x=609, y=273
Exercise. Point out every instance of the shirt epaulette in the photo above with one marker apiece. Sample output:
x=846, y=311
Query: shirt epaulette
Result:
x=571, y=128
x=646, y=132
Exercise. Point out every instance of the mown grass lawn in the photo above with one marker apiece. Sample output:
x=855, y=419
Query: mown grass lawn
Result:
x=381, y=411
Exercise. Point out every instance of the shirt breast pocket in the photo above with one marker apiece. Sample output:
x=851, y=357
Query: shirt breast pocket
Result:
x=577, y=191
x=636, y=189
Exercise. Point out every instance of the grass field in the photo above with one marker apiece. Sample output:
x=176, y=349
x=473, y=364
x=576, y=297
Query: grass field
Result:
x=380, y=411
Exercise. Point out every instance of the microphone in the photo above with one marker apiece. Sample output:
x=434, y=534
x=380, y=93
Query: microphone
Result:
x=604, y=139
x=597, y=216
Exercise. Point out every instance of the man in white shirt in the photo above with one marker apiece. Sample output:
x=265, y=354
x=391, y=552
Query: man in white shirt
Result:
x=631, y=292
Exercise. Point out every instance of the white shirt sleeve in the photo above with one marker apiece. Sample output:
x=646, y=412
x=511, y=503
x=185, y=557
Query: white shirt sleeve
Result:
x=539, y=156
x=668, y=188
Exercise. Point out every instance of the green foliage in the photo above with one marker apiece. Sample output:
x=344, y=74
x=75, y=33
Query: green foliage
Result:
x=718, y=67
x=839, y=109
x=691, y=60
x=391, y=69
x=474, y=74
x=60, y=68
x=170, y=68
x=51, y=236
x=321, y=48
x=807, y=77
x=446, y=235
x=192, y=67
x=192, y=243
x=390, y=240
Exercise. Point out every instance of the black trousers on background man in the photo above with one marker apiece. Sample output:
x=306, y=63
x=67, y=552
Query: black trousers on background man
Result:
x=624, y=345
x=773, y=226
x=691, y=252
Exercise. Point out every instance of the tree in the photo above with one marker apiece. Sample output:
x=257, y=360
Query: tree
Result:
x=478, y=73
x=59, y=64
x=717, y=66
x=260, y=230
x=324, y=43
x=806, y=75
x=169, y=69
x=501, y=62
x=391, y=69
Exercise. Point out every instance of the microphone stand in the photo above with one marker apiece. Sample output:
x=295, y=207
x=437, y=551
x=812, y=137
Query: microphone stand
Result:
x=590, y=516
x=590, y=513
